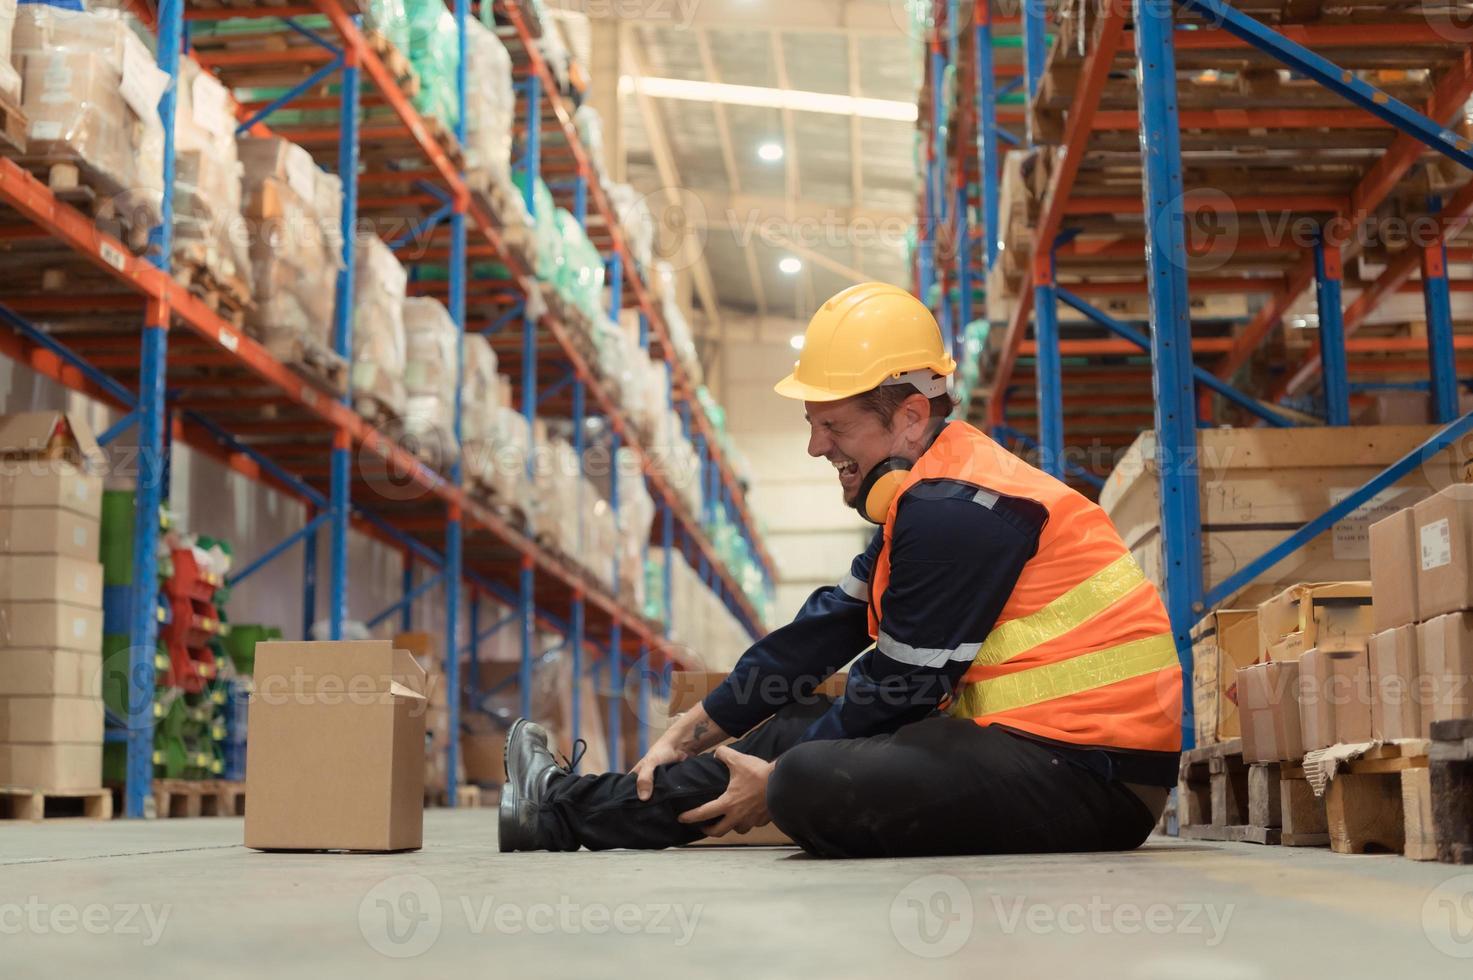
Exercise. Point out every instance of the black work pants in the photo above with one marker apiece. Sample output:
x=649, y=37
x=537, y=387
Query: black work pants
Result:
x=939, y=786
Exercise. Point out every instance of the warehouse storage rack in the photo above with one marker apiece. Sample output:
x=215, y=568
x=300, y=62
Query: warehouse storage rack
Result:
x=193, y=377
x=1108, y=93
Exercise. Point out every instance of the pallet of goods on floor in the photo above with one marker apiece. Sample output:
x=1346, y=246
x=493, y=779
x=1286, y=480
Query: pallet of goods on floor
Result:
x=1335, y=712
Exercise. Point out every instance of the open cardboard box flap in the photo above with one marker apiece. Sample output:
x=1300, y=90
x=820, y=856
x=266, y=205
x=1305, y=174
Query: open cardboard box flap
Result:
x=346, y=666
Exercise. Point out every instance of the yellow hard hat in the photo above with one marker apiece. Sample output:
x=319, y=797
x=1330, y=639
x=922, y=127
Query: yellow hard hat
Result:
x=868, y=335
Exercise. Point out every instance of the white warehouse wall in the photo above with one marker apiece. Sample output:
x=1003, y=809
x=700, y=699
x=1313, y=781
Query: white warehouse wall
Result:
x=810, y=533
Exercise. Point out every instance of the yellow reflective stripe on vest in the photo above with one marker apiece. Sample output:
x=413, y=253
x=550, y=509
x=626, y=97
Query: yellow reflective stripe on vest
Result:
x=1056, y=680
x=1069, y=611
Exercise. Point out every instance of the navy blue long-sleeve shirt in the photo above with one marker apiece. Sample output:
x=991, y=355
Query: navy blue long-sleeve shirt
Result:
x=955, y=558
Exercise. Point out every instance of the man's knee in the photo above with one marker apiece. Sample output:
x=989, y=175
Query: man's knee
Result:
x=795, y=787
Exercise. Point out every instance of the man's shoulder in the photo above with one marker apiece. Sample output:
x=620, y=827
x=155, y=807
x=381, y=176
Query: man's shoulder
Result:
x=949, y=510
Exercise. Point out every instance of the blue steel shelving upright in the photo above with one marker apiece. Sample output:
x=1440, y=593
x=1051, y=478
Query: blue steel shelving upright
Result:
x=1175, y=378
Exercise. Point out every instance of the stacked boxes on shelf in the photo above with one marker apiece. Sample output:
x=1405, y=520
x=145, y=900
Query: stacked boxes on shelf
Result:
x=377, y=373
x=697, y=618
x=51, y=710
x=1255, y=483
x=480, y=400
x=209, y=247
x=293, y=211
x=1422, y=652
x=432, y=353
x=9, y=77
x=90, y=90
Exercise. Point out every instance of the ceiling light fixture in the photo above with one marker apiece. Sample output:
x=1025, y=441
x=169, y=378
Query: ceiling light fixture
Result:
x=771, y=98
x=771, y=152
x=790, y=265
x=796, y=341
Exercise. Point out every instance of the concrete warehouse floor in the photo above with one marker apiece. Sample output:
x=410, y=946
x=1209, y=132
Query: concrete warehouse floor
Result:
x=183, y=898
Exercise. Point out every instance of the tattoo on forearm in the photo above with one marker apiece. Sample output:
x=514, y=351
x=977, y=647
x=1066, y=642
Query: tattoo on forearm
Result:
x=697, y=736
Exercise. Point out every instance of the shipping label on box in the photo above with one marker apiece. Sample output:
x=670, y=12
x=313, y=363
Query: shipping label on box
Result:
x=1444, y=529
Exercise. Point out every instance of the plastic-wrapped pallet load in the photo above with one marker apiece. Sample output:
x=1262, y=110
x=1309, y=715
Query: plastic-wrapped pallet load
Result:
x=490, y=109
x=636, y=219
x=293, y=211
x=576, y=33
x=208, y=226
x=509, y=478
x=390, y=19
x=579, y=276
x=556, y=476
x=431, y=355
x=555, y=52
x=590, y=127
x=479, y=401
x=636, y=521
x=9, y=77
x=434, y=51
x=90, y=90
x=545, y=238
x=379, y=282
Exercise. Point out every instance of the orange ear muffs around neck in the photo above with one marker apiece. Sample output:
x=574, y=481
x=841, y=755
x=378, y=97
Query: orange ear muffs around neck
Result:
x=879, y=488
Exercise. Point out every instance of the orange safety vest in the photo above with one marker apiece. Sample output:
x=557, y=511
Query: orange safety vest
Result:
x=1082, y=652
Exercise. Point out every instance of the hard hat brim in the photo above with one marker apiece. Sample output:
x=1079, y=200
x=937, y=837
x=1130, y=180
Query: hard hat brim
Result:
x=791, y=387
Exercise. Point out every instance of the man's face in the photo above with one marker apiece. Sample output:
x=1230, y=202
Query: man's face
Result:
x=850, y=437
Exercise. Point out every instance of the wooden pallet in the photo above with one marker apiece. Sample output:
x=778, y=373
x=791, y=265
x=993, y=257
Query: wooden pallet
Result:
x=198, y=798
x=80, y=184
x=13, y=128
x=312, y=360
x=467, y=797
x=1301, y=813
x=394, y=60
x=230, y=299
x=17, y=803
x=1213, y=801
x=1364, y=805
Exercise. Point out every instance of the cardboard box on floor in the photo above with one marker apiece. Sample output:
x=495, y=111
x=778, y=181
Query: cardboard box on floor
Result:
x=1394, y=571
x=1331, y=616
x=1222, y=642
x=1444, y=536
x=1268, y=703
x=336, y=757
x=687, y=689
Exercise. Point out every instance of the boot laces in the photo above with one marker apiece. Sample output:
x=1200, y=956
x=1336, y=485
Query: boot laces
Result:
x=580, y=748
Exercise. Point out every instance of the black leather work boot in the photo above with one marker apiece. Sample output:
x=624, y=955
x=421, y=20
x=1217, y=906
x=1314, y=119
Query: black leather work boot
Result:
x=530, y=768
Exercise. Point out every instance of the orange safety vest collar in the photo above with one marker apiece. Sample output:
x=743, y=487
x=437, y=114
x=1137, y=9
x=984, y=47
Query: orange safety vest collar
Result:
x=1082, y=652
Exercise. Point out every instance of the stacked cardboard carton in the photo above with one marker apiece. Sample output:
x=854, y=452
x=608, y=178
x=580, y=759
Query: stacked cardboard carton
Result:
x=51, y=713
x=1421, y=656
x=1255, y=483
x=209, y=245
x=1310, y=686
x=432, y=352
x=1224, y=641
x=293, y=212
x=90, y=90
